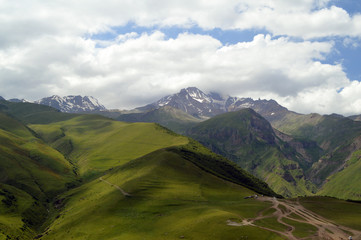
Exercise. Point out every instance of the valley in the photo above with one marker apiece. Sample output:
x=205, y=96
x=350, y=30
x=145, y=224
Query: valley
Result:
x=296, y=154
x=86, y=176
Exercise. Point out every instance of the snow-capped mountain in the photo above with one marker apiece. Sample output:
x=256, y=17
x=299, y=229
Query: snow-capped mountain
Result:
x=72, y=104
x=199, y=104
x=192, y=101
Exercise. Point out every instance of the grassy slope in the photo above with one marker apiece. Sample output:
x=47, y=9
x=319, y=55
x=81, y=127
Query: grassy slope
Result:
x=13, y=204
x=346, y=183
x=170, y=197
x=339, y=137
x=329, y=131
x=341, y=212
x=248, y=140
x=162, y=181
x=97, y=144
x=31, y=173
x=34, y=113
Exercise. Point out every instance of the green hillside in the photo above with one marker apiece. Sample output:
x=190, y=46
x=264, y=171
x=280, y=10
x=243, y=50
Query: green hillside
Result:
x=95, y=143
x=31, y=174
x=329, y=131
x=341, y=212
x=345, y=184
x=248, y=139
x=334, y=171
x=169, y=198
x=34, y=113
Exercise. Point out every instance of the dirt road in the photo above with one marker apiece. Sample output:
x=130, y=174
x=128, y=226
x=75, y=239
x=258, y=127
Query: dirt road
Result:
x=285, y=209
x=117, y=187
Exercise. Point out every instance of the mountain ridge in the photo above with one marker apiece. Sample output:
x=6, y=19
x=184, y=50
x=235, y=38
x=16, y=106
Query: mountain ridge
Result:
x=249, y=140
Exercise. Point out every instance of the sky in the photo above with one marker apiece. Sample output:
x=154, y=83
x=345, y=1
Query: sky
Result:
x=305, y=54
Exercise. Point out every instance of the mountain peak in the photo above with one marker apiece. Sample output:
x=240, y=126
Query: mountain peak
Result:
x=201, y=105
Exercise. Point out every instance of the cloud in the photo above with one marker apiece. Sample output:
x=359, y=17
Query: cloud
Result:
x=24, y=20
x=137, y=69
x=47, y=48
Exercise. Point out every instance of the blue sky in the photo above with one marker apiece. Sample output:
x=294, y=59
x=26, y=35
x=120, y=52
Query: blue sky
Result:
x=305, y=54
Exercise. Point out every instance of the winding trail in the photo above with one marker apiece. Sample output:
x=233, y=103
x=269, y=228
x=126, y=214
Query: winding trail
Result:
x=117, y=187
x=325, y=228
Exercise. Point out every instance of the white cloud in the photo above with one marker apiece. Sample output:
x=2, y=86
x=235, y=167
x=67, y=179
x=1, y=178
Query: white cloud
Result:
x=140, y=69
x=44, y=50
x=23, y=20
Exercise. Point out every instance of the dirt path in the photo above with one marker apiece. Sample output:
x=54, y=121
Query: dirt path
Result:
x=117, y=187
x=284, y=209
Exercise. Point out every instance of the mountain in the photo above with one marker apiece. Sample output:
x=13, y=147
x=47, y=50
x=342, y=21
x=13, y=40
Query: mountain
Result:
x=2, y=99
x=80, y=154
x=346, y=166
x=201, y=105
x=248, y=139
x=165, y=195
x=166, y=116
x=162, y=176
x=192, y=101
x=73, y=176
x=320, y=154
x=72, y=104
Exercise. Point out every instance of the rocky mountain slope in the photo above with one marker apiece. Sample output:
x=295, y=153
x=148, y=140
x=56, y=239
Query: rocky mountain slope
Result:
x=201, y=105
x=249, y=140
x=324, y=150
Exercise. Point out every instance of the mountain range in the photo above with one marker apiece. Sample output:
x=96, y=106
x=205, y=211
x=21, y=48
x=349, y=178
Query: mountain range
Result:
x=86, y=176
x=309, y=150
